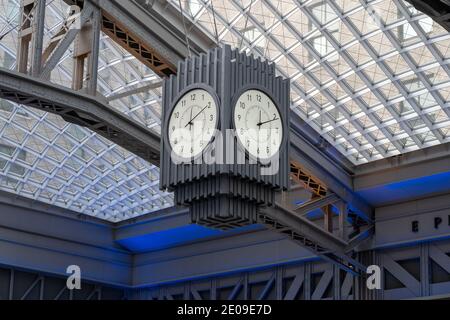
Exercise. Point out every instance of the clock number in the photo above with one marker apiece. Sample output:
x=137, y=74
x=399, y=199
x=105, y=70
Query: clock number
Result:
x=189, y=108
x=254, y=125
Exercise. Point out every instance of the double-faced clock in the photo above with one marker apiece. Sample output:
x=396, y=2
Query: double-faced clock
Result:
x=212, y=95
x=192, y=123
x=258, y=124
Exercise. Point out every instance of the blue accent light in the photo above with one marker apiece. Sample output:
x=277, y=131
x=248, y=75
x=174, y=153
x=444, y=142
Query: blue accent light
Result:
x=175, y=236
x=414, y=188
x=167, y=238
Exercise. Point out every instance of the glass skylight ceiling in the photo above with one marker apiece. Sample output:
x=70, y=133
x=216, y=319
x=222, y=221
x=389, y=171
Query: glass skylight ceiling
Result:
x=372, y=77
x=43, y=157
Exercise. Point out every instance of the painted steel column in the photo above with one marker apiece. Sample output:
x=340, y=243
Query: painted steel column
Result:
x=337, y=283
x=24, y=36
x=95, y=47
x=279, y=283
x=307, y=282
x=37, y=37
x=343, y=212
x=425, y=289
x=328, y=218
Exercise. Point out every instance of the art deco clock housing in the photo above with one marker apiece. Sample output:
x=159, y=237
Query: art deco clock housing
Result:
x=225, y=137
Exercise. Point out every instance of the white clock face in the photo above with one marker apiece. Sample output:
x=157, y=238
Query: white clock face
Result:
x=192, y=123
x=258, y=124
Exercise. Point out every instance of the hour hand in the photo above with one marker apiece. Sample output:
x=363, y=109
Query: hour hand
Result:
x=260, y=119
x=190, y=121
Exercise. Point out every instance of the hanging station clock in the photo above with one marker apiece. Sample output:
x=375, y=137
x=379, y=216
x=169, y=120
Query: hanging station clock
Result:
x=227, y=106
x=192, y=123
x=258, y=124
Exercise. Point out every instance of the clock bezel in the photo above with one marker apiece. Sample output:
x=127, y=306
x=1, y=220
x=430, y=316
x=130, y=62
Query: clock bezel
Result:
x=264, y=90
x=176, y=100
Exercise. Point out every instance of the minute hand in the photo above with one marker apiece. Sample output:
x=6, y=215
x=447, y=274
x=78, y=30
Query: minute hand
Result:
x=261, y=123
x=190, y=122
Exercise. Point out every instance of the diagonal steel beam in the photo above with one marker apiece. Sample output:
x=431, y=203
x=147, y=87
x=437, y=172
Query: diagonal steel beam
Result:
x=316, y=204
x=309, y=235
x=120, y=95
x=64, y=44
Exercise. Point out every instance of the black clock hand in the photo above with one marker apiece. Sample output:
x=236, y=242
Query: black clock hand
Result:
x=190, y=122
x=259, y=120
x=261, y=123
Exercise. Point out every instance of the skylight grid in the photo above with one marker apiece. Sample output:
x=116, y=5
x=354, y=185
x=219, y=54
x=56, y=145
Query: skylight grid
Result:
x=372, y=77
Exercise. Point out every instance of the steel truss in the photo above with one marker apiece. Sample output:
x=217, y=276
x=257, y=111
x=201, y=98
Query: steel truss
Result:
x=406, y=273
x=422, y=271
x=17, y=284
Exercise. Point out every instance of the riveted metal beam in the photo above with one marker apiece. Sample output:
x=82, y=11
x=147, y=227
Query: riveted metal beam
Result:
x=81, y=109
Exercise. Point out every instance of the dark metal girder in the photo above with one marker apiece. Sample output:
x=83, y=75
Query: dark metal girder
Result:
x=81, y=109
x=151, y=31
x=309, y=235
x=438, y=10
x=316, y=204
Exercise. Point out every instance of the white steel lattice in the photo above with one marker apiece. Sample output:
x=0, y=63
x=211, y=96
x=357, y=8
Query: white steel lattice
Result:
x=43, y=157
x=372, y=77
